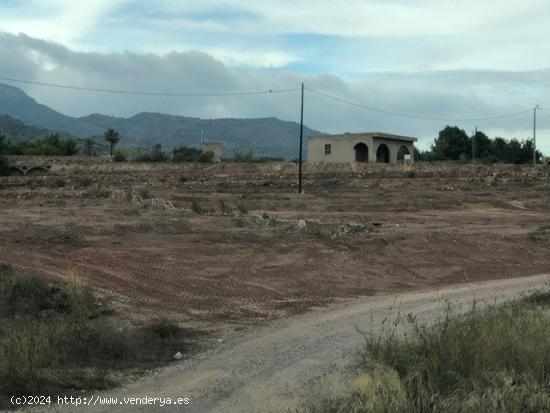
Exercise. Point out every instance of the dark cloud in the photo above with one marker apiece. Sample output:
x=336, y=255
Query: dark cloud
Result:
x=456, y=94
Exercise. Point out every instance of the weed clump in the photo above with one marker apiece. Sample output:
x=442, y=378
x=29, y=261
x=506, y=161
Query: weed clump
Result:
x=243, y=210
x=492, y=359
x=144, y=193
x=196, y=208
x=58, y=339
x=98, y=192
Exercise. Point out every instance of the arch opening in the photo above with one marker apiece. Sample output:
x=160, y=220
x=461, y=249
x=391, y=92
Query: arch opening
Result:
x=361, y=152
x=13, y=170
x=37, y=170
x=403, y=150
x=383, y=153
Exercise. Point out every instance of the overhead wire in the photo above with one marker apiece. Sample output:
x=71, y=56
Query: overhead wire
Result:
x=263, y=92
x=149, y=93
x=413, y=116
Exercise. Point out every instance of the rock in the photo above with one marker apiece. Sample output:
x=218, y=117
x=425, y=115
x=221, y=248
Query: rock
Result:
x=302, y=224
x=178, y=356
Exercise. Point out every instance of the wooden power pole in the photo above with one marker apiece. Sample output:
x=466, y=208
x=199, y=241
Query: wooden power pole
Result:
x=535, y=135
x=301, y=143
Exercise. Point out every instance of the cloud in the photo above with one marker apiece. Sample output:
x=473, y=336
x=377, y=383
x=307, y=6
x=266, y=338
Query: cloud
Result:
x=350, y=18
x=66, y=21
x=347, y=37
x=455, y=94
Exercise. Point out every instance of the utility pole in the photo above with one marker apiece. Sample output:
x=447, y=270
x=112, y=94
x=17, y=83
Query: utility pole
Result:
x=301, y=143
x=474, y=145
x=535, y=135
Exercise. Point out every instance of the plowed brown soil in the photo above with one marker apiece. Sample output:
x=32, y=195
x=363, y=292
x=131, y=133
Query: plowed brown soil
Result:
x=241, y=247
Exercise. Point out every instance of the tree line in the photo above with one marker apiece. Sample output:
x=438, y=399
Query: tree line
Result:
x=51, y=145
x=454, y=144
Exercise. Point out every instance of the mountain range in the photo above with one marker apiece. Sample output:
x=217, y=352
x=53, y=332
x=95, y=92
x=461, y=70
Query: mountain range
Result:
x=24, y=118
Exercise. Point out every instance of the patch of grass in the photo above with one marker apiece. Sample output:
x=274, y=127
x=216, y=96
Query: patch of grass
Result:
x=243, y=210
x=83, y=182
x=145, y=193
x=58, y=339
x=98, y=192
x=224, y=208
x=196, y=208
x=492, y=359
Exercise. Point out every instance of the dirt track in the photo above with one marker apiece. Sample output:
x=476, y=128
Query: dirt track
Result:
x=297, y=359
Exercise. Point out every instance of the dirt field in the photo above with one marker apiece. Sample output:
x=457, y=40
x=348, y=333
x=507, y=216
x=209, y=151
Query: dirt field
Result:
x=230, y=245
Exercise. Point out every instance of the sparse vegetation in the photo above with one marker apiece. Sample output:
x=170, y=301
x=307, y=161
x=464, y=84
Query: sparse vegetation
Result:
x=224, y=208
x=243, y=210
x=4, y=166
x=492, y=359
x=155, y=155
x=250, y=157
x=187, y=154
x=97, y=191
x=59, y=339
x=144, y=193
x=119, y=156
x=83, y=182
x=196, y=208
x=51, y=145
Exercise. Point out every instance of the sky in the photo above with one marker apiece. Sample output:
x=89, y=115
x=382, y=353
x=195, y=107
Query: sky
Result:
x=455, y=60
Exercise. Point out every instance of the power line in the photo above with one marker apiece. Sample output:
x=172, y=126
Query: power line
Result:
x=406, y=115
x=149, y=93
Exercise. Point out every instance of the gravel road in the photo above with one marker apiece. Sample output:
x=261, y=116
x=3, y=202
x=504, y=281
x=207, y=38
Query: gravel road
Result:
x=296, y=359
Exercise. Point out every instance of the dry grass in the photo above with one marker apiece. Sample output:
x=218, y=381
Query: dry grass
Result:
x=491, y=359
x=59, y=339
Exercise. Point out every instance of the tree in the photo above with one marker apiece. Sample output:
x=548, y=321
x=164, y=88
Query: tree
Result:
x=452, y=144
x=499, y=149
x=89, y=144
x=4, y=164
x=482, y=146
x=3, y=144
x=112, y=137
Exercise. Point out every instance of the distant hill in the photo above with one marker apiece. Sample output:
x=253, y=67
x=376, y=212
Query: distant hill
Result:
x=265, y=136
x=16, y=130
x=19, y=105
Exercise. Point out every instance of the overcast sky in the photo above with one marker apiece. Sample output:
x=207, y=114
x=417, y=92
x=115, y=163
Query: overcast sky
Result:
x=433, y=58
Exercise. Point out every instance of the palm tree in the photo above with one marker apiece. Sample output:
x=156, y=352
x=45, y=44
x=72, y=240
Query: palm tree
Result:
x=112, y=136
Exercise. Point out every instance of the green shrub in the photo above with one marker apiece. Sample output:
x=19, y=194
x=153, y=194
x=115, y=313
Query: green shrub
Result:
x=224, y=208
x=186, y=154
x=119, y=157
x=4, y=166
x=239, y=156
x=145, y=193
x=155, y=155
x=243, y=210
x=196, y=208
x=83, y=182
x=51, y=145
x=24, y=294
